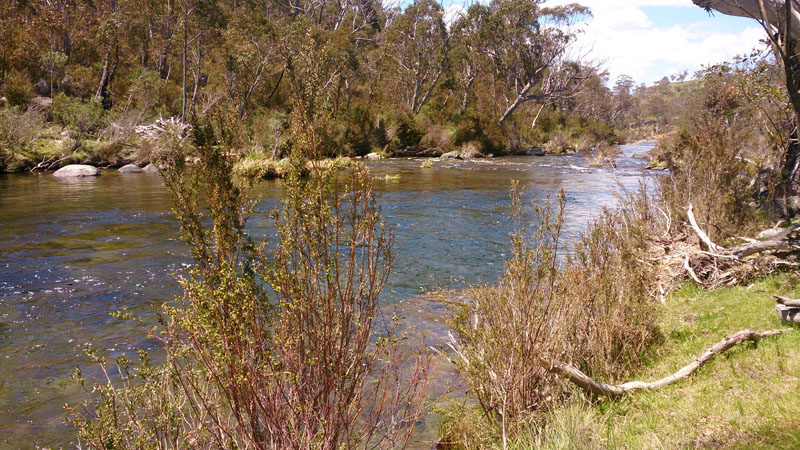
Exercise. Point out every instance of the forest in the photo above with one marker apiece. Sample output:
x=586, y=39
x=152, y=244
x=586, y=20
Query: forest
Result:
x=314, y=162
x=369, y=77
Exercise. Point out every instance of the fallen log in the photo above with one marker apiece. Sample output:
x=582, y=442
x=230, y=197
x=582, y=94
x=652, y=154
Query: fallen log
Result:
x=788, y=315
x=746, y=250
x=786, y=241
x=615, y=390
x=725, y=266
x=786, y=301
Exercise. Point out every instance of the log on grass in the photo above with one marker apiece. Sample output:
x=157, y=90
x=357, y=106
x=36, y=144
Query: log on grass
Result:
x=614, y=390
x=786, y=301
x=788, y=315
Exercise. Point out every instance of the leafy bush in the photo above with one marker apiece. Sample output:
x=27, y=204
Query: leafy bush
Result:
x=505, y=330
x=18, y=133
x=270, y=133
x=270, y=348
x=17, y=88
x=82, y=116
x=559, y=143
x=711, y=163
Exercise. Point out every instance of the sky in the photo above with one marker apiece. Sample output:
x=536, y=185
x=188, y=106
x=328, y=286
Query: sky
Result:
x=650, y=39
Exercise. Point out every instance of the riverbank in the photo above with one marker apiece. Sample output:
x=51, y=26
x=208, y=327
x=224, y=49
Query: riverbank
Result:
x=744, y=398
x=75, y=250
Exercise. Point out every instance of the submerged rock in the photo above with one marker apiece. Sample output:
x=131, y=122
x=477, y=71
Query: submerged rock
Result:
x=130, y=168
x=150, y=168
x=451, y=155
x=77, y=170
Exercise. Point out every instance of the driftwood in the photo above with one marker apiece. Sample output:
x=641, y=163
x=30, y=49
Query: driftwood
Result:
x=725, y=266
x=615, y=390
x=786, y=301
x=786, y=242
x=788, y=309
x=702, y=234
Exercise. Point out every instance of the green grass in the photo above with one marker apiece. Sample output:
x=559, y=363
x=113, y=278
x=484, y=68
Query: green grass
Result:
x=748, y=397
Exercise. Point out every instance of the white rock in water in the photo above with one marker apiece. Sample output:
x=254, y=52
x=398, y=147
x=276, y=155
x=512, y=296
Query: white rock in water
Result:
x=373, y=156
x=150, y=168
x=77, y=170
x=130, y=168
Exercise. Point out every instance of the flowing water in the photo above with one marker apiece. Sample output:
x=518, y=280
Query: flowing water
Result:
x=73, y=251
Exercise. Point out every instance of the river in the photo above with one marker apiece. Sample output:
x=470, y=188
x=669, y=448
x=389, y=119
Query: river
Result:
x=73, y=251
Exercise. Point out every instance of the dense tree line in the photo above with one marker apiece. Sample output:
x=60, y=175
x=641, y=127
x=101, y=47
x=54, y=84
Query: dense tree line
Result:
x=348, y=77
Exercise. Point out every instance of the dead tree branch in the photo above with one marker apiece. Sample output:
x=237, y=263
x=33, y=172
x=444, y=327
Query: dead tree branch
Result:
x=615, y=390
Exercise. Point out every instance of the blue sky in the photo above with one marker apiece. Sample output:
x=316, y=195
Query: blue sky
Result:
x=650, y=39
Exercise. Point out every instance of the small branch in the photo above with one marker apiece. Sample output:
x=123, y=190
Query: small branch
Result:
x=610, y=390
x=691, y=271
x=702, y=234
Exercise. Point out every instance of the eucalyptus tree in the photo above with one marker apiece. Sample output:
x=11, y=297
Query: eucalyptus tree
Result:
x=780, y=19
x=417, y=42
x=251, y=54
x=533, y=62
x=469, y=55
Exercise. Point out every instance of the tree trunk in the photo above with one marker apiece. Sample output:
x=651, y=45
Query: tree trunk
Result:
x=465, y=99
x=185, y=50
x=513, y=107
x=109, y=67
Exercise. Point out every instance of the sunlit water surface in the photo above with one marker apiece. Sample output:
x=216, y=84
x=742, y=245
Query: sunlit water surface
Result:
x=73, y=251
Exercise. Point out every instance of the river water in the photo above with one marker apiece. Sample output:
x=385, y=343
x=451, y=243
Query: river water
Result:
x=73, y=251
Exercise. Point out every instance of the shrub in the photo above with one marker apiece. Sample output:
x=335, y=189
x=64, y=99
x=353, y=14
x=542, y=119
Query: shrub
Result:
x=437, y=137
x=17, y=88
x=711, y=165
x=82, y=116
x=504, y=331
x=559, y=143
x=269, y=349
x=594, y=310
x=270, y=133
x=18, y=133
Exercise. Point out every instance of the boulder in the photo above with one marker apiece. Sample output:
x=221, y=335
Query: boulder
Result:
x=373, y=156
x=130, y=168
x=77, y=170
x=42, y=88
x=150, y=168
x=451, y=155
x=793, y=204
x=41, y=104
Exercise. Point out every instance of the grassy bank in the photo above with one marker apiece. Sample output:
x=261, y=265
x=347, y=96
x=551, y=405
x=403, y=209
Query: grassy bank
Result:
x=745, y=398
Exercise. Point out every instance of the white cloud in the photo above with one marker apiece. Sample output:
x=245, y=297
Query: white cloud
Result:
x=621, y=36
